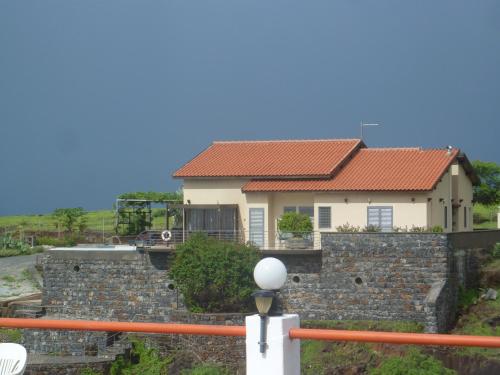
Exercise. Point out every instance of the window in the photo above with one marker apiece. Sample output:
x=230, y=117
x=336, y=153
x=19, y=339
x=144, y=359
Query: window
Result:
x=306, y=210
x=324, y=217
x=445, y=217
x=465, y=217
x=380, y=217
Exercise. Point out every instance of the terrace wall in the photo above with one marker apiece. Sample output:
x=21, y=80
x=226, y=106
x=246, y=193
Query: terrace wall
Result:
x=396, y=276
x=375, y=276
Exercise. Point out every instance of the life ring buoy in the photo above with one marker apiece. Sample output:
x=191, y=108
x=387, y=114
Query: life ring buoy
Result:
x=166, y=235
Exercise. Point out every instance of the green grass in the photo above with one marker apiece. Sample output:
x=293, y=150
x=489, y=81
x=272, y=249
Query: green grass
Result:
x=96, y=220
x=9, y=278
x=16, y=252
x=365, y=325
x=475, y=322
x=485, y=217
x=10, y=335
x=320, y=357
x=413, y=362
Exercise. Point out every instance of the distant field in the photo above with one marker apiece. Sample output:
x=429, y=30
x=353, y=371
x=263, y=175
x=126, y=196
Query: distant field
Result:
x=105, y=219
x=96, y=220
x=485, y=217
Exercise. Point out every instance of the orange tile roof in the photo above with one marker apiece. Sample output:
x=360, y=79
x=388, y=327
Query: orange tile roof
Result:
x=384, y=169
x=294, y=158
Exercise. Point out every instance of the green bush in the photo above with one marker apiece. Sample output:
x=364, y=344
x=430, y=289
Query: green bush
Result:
x=65, y=241
x=9, y=247
x=417, y=229
x=215, y=276
x=467, y=297
x=347, y=228
x=496, y=251
x=295, y=223
x=437, y=229
x=371, y=229
x=412, y=363
x=143, y=361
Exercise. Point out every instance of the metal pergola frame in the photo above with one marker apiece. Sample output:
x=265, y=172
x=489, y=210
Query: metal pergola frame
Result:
x=140, y=203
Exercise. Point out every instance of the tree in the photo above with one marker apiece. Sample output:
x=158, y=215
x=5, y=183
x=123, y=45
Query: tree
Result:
x=215, y=276
x=488, y=192
x=70, y=218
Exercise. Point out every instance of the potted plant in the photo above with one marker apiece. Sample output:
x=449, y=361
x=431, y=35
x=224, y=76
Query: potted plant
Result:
x=296, y=229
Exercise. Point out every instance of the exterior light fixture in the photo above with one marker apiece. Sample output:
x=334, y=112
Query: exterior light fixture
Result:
x=270, y=275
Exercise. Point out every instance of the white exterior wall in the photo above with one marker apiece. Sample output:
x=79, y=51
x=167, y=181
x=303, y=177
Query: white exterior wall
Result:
x=463, y=195
x=406, y=213
x=441, y=197
x=421, y=209
x=217, y=191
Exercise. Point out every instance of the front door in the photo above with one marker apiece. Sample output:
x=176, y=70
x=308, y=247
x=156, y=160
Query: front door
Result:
x=256, y=216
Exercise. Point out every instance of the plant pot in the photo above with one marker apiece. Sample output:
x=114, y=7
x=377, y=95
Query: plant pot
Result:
x=297, y=243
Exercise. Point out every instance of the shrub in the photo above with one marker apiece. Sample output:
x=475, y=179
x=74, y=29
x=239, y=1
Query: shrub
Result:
x=143, y=360
x=65, y=241
x=71, y=218
x=372, y=228
x=437, y=229
x=412, y=363
x=496, y=251
x=215, y=276
x=9, y=246
x=417, y=229
x=480, y=217
x=295, y=223
x=467, y=297
x=347, y=228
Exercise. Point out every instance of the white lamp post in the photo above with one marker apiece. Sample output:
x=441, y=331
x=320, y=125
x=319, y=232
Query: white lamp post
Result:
x=282, y=357
x=270, y=275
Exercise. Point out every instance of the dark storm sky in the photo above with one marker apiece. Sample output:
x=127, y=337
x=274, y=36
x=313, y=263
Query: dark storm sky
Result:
x=103, y=97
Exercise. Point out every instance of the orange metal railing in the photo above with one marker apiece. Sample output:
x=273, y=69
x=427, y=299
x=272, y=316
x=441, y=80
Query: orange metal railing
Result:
x=395, y=338
x=218, y=330
x=93, y=325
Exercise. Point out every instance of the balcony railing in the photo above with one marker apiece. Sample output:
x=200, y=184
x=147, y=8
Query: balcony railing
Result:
x=266, y=240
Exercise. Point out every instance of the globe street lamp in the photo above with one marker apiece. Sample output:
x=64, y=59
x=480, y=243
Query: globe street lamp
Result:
x=270, y=276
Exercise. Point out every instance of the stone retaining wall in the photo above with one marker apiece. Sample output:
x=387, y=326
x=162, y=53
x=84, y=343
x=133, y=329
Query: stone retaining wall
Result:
x=109, y=285
x=374, y=276
x=394, y=276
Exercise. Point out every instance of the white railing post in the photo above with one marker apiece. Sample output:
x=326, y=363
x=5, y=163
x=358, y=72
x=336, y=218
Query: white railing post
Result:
x=282, y=356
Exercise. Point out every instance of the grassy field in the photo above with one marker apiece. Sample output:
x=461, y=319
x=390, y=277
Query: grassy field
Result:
x=96, y=220
x=485, y=217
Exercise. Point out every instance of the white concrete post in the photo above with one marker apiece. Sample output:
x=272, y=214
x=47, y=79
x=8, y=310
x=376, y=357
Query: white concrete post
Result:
x=282, y=356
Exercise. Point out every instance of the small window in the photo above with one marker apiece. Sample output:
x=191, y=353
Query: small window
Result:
x=446, y=216
x=324, y=217
x=309, y=211
x=289, y=209
x=465, y=217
